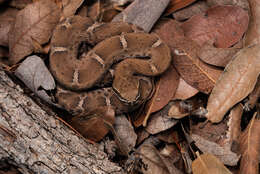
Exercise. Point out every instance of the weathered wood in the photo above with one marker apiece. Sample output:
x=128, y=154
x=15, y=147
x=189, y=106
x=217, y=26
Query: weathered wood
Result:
x=37, y=142
x=143, y=13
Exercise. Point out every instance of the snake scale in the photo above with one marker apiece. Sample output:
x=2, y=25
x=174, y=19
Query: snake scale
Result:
x=82, y=54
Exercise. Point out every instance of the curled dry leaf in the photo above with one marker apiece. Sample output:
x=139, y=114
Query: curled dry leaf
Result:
x=222, y=152
x=184, y=91
x=160, y=121
x=70, y=7
x=37, y=77
x=96, y=124
x=125, y=133
x=224, y=25
x=234, y=129
x=250, y=147
x=183, y=108
x=208, y=163
x=253, y=97
x=236, y=82
x=175, y=5
x=165, y=90
x=7, y=18
x=195, y=72
x=216, y=56
x=253, y=32
x=154, y=162
x=36, y=21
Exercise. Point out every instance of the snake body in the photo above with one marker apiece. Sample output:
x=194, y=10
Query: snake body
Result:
x=82, y=53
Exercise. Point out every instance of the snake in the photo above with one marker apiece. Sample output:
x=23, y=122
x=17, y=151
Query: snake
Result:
x=83, y=53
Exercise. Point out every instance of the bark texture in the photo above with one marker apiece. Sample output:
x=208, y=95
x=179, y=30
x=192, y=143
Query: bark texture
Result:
x=37, y=142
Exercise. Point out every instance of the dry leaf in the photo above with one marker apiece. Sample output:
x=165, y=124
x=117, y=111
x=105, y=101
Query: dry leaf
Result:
x=253, y=97
x=208, y=163
x=7, y=18
x=175, y=5
x=241, y=3
x=222, y=152
x=191, y=10
x=154, y=162
x=20, y=3
x=183, y=108
x=217, y=56
x=236, y=82
x=165, y=90
x=195, y=72
x=37, y=77
x=176, y=111
x=36, y=21
x=250, y=147
x=184, y=91
x=234, y=129
x=160, y=121
x=70, y=7
x=125, y=132
x=253, y=32
x=224, y=25
x=96, y=124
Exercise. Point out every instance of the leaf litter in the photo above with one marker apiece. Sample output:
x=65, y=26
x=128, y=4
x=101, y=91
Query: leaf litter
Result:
x=195, y=57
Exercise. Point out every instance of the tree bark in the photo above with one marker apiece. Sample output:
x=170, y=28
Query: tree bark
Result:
x=37, y=142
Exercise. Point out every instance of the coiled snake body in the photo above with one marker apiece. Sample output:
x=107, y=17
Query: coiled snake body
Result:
x=135, y=53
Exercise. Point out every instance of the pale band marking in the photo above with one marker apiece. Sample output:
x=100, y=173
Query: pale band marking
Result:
x=98, y=59
x=58, y=49
x=157, y=43
x=123, y=41
x=76, y=77
x=92, y=27
x=153, y=68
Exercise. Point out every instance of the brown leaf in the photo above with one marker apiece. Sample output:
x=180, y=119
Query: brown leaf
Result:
x=253, y=32
x=7, y=18
x=250, y=147
x=155, y=163
x=208, y=163
x=175, y=5
x=217, y=56
x=241, y=3
x=213, y=139
x=36, y=21
x=195, y=72
x=182, y=108
x=253, y=97
x=234, y=129
x=96, y=124
x=224, y=25
x=160, y=121
x=191, y=10
x=236, y=82
x=184, y=91
x=165, y=90
x=70, y=7
x=20, y=3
